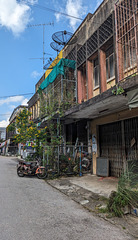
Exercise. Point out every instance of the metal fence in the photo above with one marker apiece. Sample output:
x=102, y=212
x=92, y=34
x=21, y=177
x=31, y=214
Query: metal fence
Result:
x=68, y=160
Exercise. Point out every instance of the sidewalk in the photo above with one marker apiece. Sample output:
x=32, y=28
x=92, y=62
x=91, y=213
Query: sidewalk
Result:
x=92, y=192
x=99, y=185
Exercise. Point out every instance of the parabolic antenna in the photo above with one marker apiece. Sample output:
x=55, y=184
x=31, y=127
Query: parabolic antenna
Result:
x=56, y=46
x=63, y=37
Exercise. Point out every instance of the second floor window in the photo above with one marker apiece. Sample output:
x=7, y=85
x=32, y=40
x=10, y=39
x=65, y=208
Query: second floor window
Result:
x=96, y=73
x=129, y=51
x=110, y=67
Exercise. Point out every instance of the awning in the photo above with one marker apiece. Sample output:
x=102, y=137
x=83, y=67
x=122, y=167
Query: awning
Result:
x=58, y=69
x=133, y=98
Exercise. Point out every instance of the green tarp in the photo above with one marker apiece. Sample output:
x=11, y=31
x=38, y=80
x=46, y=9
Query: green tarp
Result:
x=58, y=69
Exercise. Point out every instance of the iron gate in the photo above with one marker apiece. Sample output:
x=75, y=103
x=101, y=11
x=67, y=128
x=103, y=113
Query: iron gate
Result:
x=112, y=146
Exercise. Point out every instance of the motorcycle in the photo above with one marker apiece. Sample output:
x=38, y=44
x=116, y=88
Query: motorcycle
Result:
x=31, y=168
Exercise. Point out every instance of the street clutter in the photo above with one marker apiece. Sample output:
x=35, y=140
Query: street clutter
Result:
x=92, y=193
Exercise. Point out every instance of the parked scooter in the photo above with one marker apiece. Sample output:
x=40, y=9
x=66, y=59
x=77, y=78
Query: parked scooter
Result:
x=31, y=168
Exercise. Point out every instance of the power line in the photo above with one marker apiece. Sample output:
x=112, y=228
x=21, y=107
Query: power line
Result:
x=3, y=114
x=50, y=10
x=61, y=13
x=24, y=94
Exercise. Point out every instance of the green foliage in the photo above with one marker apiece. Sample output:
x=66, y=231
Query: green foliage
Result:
x=27, y=131
x=116, y=203
x=118, y=91
x=127, y=192
x=53, y=104
x=11, y=127
x=66, y=164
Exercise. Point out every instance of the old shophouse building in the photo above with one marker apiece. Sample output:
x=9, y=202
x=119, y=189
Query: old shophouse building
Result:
x=106, y=54
x=106, y=85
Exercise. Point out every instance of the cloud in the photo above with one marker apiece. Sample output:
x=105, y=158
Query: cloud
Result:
x=35, y=74
x=74, y=8
x=58, y=16
x=17, y=100
x=30, y=1
x=4, y=123
x=11, y=99
x=24, y=102
x=15, y=16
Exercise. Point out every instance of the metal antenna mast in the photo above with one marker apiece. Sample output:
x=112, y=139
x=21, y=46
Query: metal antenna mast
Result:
x=38, y=25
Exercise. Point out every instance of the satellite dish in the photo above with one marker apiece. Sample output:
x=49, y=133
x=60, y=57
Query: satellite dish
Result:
x=56, y=46
x=63, y=37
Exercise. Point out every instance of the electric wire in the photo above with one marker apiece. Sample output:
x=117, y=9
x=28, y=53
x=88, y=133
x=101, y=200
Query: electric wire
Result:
x=5, y=114
x=50, y=9
x=55, y=11
x=24, y=94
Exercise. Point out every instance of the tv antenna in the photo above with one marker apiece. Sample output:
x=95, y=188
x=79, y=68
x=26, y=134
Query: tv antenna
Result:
x=56, y=46
x=43, y=25
x=51, y=63
x=60, y=39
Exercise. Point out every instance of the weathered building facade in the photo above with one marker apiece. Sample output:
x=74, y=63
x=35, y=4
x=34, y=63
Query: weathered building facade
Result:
x=105, y=85
x=106, y=53
x=34, y=103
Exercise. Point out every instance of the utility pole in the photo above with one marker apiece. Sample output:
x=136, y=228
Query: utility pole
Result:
x=43, y=25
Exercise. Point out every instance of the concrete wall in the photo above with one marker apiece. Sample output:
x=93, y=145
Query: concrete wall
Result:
x=108, y=119
x=90, y=24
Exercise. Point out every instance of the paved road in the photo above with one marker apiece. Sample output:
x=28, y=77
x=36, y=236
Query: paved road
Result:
x=31, y=209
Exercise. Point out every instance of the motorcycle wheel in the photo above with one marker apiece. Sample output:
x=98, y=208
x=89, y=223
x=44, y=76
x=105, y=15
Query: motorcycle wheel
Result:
x=42, y=174
x=20, y=172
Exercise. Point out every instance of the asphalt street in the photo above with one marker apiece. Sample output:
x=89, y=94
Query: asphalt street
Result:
x=31, y=209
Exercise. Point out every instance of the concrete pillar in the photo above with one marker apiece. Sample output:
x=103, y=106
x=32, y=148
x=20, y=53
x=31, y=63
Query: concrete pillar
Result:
x=84, y=85
x=90, y=78
x=120, y=62
x=38, y=108
x=80, y=93
x=103, y=82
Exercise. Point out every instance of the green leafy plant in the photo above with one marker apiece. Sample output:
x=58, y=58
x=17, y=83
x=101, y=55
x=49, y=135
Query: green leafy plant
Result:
x=118, y=90
x=127, y=192
x=53, y=104
x=27, y=131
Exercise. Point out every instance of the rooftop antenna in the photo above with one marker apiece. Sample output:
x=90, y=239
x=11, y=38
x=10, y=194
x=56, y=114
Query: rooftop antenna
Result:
x=43, y=25
x=60, y=39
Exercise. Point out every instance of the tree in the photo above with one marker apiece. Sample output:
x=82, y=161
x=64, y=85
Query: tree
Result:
x=27, y=131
